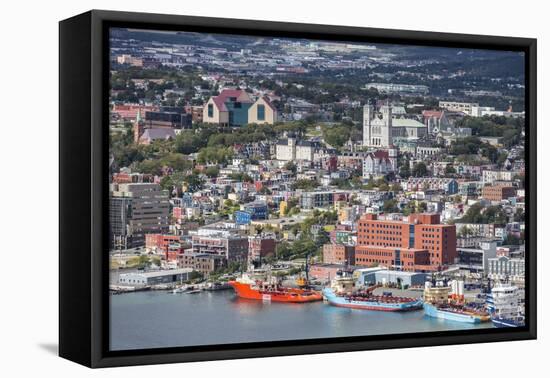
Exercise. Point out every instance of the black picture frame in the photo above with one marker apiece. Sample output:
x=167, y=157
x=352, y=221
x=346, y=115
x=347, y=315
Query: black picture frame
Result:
x=83, y=163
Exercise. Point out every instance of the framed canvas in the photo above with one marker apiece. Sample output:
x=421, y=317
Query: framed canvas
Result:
x=235, y=188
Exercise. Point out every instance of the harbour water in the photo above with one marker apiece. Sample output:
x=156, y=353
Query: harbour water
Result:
x=157, y=319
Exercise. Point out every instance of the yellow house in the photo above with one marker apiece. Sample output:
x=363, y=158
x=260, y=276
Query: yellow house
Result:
x=283, y=206
x=262, y=112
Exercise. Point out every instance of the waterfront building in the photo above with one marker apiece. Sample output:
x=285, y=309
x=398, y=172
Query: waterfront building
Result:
x=260, y=246
x=475, y=259
x=203, y=263
x=325, y=272
x=379, y=276
x=231, y=246
x=419, y=244
x=158, y=243
x=136, y=210
x=334, y=253
x=142, y=278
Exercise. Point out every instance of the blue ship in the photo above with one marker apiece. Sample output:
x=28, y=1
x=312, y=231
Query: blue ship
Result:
x=500, y=322
x=371, y=302
x=454, y=314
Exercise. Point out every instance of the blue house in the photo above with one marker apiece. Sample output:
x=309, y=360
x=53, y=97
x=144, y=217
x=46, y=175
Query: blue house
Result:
x=242, y=217
x=451, y=187
x=257, y=209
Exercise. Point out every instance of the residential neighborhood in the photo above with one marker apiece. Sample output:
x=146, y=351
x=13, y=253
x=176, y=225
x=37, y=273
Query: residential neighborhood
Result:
x=234, y=154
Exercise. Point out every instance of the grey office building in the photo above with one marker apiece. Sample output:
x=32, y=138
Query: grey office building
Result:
x=135, y=210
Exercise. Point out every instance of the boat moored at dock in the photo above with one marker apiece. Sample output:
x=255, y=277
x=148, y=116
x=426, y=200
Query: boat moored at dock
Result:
x=447, y=302
x=504, y=305
x=343, y=293
x=272, y=291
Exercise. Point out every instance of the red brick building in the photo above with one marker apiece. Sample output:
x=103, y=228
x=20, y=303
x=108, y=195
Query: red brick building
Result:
x=203, y=263
x=420, y=244
x=170, y=245
x=260, y=246
x=338, y=254
x=130, y=111
x=497, y=192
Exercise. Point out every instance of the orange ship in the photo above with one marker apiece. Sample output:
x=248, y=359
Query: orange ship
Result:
x=246, y=288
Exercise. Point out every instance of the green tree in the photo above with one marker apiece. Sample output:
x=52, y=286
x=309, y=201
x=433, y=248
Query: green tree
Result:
x=336, y=136
x=390, y=206
x=450, y=170
x=405, y=170
x=419, y=169
x=305, y=184
x=283, y=251
x=212, y=171
x=291, y=166
x=194, y=183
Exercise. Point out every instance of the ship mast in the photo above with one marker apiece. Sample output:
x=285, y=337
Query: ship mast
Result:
x=307, y=268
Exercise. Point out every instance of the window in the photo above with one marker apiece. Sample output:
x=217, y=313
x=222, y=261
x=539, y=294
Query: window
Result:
x=210, y=110
x=261, y=112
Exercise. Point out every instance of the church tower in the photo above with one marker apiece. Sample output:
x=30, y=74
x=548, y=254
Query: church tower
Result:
x=377, y=126
x=368, y=114
x=386, y=139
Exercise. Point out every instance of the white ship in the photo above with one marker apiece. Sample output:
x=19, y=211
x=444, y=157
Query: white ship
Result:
x=506, y=307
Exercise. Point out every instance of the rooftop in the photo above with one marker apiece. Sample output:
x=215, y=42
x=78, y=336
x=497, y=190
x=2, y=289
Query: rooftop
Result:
x=158, y=273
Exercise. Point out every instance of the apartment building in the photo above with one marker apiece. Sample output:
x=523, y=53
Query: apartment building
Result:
x=419, y=244
x=135, y=210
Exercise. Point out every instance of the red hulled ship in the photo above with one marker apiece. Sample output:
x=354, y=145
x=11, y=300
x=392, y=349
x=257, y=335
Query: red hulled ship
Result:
x=247, y=288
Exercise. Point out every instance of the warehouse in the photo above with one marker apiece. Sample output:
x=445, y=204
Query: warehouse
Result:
x=374, y=276
x=143, y=278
